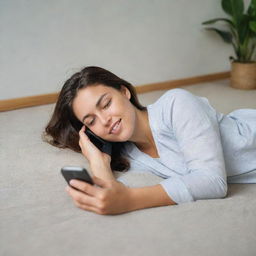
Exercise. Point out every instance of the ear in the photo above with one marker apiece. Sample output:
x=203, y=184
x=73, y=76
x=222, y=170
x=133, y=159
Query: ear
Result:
x=125, y=92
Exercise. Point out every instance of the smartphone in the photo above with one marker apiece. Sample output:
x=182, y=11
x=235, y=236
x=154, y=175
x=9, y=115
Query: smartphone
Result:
x=76, y=172
x=102, y=145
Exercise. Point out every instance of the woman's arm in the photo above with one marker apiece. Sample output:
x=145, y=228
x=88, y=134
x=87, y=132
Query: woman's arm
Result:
x=102, y=170
x=137, y=198
x=111, y=197
x=196, y=130
x=146, y=197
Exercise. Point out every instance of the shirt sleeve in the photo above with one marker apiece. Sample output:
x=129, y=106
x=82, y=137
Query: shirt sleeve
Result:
x=196, y=129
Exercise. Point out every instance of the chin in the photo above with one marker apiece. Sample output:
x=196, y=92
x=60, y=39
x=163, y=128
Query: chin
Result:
x=123, y=137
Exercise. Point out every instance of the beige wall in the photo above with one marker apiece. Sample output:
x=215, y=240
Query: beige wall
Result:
x=43, y=42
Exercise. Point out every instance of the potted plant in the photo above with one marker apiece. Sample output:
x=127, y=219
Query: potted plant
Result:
x=240, y=32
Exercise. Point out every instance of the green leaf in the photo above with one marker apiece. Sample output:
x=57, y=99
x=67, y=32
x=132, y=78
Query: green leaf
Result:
x=216, y=20
x=252, y=9
x=252, y=25
x=243, y=30
x=225, y=35
x=234, y=8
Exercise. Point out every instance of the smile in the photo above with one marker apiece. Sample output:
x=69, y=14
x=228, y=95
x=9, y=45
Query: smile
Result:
x=116, y=128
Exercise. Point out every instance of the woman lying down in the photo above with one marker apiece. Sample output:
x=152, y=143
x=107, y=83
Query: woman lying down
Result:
x=180, y=138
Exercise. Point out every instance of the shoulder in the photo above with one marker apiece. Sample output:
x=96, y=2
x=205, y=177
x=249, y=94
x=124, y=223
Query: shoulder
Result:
x=173, y=96
x=161, y=110
x=179, y=99
x=179, y=104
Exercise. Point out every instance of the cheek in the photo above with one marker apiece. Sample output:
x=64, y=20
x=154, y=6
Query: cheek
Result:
x=128, y=119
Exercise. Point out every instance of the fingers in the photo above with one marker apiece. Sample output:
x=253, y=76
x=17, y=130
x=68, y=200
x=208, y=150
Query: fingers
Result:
x=80, y=197
x=84, y=201
x=87, y=208
x=85, y=187
x=82, y=129
x=82, y=133
x=89, y=197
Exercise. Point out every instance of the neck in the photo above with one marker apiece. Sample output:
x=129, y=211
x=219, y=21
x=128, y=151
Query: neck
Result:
x=142, y=136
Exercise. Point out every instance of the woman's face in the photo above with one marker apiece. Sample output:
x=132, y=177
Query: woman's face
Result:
x=99, y=107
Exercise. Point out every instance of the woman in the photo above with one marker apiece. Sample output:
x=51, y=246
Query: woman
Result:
x=180, y=138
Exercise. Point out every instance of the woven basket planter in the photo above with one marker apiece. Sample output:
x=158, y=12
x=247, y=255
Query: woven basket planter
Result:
x=243, y=75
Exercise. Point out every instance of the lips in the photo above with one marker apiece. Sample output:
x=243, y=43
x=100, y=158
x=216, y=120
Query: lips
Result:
x=114, y=125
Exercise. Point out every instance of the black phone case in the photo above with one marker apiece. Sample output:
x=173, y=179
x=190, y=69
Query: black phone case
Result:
x=102, y=145
x=78, y=173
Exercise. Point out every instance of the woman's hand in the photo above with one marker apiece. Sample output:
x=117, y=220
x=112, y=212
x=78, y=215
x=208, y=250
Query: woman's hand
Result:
x=109, y=198
x=90, y=151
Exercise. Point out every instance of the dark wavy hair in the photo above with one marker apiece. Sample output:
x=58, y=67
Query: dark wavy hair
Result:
x=62, y=129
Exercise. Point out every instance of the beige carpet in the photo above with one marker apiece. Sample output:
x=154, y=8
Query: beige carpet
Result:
x=38, y=218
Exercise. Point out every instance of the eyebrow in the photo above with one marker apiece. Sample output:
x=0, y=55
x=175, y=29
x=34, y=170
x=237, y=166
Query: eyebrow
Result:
x=97, y=105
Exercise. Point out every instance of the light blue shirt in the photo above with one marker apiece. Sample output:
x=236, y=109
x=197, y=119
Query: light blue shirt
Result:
x=199, y=148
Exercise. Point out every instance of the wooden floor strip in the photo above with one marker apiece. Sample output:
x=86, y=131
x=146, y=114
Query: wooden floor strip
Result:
x=37, y=100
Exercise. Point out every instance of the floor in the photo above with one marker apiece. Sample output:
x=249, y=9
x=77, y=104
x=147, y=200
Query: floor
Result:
x=38, y=218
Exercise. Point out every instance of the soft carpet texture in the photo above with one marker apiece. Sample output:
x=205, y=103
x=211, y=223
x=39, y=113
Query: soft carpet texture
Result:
x=39, y=218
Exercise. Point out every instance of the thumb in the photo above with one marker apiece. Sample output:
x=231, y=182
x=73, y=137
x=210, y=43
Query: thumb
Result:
x=100, y=182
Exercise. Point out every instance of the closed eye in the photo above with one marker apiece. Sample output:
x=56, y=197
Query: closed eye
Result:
x=107, y=105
